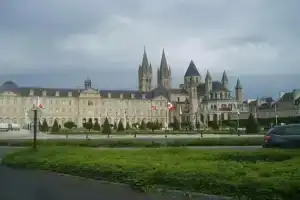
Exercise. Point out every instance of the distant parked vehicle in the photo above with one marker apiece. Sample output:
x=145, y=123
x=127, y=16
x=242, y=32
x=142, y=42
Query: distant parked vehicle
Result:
x=15, y=127
x=4, y=127
x=285, y=136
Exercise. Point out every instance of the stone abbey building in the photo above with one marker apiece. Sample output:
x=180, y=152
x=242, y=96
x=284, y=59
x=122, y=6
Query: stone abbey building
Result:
x=197, y=99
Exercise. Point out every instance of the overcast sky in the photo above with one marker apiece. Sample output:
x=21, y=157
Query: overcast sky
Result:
x=241, y=36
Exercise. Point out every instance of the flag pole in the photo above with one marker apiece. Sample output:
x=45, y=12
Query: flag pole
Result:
x=276, y=116
x=151, y=111
x=167, y=121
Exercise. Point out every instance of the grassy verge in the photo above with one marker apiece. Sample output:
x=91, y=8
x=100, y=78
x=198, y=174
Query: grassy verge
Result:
x=262, y=174
x=242, y=141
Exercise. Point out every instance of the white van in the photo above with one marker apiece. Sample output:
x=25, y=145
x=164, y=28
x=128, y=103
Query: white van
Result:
x=15, y=127
x=4, y=127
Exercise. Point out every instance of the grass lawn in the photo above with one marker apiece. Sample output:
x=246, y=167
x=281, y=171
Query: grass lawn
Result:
x=262, y=174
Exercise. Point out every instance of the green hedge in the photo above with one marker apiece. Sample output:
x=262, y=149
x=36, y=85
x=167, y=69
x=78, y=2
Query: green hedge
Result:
x=259, y=175
x=138, y=132
x=238, y=141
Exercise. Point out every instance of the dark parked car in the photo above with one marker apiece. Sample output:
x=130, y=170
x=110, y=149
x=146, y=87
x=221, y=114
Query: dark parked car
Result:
x=285, y=136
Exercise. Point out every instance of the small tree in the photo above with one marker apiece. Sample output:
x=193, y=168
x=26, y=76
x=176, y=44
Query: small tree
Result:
x=176, y=125
x=96, y=126
x=215, y=124
x=149, y=125
x=197, y=124
x=155, y=126
x=89, y=124
x=55, y=126
x=127, y=126
x=39, y=125
x=106, y=127
x=69, y=125
x=44, y=127
x=120, y=127
x=143, y=125
x=252, y=125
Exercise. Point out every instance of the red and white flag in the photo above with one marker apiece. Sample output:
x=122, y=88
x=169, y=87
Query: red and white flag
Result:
x=171, y=106
x=154, y=108
x=39, y=104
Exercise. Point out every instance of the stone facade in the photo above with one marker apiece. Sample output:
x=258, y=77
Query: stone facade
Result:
x=196, y=99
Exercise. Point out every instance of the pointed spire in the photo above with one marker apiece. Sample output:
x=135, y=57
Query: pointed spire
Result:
x=224, y=77
x=145, y=63
x=192, y=70
x=208, y=76
x=163, y=62
x=238, y=84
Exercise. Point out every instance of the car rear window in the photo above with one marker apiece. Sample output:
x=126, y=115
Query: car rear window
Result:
x=292, y=130
x=271, y=131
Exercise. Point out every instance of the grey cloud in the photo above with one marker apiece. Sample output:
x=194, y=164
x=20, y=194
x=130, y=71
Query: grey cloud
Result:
x=239, y=36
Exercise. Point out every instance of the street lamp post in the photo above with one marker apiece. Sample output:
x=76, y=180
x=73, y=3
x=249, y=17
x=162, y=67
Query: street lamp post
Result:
x=34, y=127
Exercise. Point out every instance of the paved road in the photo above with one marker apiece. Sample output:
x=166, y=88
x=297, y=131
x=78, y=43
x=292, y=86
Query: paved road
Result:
x=18, y=184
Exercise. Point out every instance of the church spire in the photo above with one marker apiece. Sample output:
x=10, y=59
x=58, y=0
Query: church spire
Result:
x=238, y=85
x=164, y=76
x=224, y=77
x=145, y=63
x=164, y=64
x=208, y=76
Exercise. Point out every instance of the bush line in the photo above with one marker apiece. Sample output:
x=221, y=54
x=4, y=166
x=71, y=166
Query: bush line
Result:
x=139, y=142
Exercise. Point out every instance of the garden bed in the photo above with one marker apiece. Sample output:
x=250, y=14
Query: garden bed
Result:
x=260, y=174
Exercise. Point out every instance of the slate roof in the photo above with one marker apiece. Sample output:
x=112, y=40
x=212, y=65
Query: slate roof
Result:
x=64, y=92
x=216, y=86
x=73, y=92
x=192, y=70
x=238, y=84
x=286, y=97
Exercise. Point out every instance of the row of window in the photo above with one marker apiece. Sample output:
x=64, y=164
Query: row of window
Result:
x=72, y=102
x=221, y=95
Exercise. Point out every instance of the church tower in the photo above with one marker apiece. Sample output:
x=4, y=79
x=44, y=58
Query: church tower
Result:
x=225, y=80
x=208, y=83
x=145, y=74
x=193, y=99
x=239, y=91
x=164, y=75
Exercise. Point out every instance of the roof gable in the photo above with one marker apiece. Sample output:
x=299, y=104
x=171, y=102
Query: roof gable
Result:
x=192, y=70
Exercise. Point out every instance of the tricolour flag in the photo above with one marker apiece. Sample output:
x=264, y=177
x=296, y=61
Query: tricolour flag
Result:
x=38, y=103
x=171, y=106
x=154, y=108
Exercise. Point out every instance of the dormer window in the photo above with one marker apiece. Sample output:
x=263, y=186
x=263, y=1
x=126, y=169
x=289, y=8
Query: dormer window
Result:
x=109, y=95
x=57, y=93
x=44, y=93
x=121, y=96
x=31, y=92
x=132, y=96
x=69, y=94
